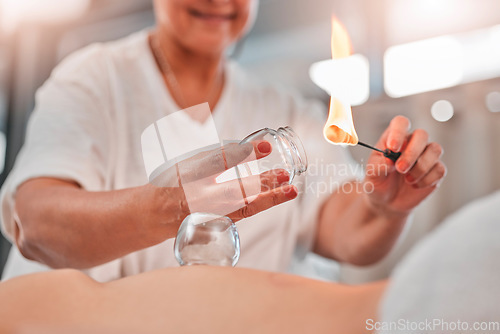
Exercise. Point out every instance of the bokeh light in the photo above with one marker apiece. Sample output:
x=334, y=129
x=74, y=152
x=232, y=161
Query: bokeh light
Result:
x=493, y=101
x=442, y=111
x=15, y=12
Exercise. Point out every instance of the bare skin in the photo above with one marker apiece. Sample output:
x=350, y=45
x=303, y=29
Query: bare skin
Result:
x=354, y=227
x=197, y=299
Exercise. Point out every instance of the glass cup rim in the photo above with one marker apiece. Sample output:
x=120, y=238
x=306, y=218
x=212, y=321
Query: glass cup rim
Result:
x=298, y=148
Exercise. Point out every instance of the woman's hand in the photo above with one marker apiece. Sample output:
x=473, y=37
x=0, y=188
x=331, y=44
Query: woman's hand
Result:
x=362, y=227
x=399, y=187
x=207, y=182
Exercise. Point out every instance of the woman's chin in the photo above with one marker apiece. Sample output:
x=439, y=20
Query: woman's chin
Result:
x=210, y=45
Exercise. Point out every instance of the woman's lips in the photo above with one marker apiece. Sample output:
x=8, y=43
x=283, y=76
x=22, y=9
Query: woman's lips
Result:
x=212, y=17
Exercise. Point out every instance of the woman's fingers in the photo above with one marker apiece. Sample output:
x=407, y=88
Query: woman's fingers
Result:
x=235, y=190
x=225, y=197
x=273, y=179
x=244, y=188
x=253, y=150
x=265, y=201
x=429, y=158
x=398, y=131
x=433, y=177
x=218, y=160
x=395, y=138
x=417, y=143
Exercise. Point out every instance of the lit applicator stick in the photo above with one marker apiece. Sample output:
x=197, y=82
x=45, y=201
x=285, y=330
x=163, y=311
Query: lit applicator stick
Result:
x=387, y=153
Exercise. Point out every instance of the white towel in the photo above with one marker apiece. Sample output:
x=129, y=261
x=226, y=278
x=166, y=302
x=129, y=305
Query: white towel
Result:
x=450, y=282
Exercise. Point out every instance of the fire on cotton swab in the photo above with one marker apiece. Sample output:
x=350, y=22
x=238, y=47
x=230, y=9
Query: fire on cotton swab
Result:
x=339, y=127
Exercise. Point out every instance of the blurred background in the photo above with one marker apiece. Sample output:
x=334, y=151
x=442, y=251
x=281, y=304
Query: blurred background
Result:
x=434, y=61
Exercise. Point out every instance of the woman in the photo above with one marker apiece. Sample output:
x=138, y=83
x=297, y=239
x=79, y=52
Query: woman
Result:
x=78, y=195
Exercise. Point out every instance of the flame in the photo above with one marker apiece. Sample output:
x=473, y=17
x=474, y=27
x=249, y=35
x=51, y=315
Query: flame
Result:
x=341, y=43
x=339, y=128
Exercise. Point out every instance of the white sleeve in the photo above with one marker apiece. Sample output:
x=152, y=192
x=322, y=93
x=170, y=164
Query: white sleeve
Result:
x=67, y=132
x=329, y=168
x=450, y=276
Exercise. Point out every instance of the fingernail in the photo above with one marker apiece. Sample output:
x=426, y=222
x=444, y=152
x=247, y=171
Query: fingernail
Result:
x=409, y=178
x=403, y=166
x=264, y=147
x=283, y=178
x=292, y=193
x=394, y=146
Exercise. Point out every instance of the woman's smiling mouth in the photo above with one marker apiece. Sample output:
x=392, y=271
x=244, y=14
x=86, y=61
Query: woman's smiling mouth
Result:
x=212, y=16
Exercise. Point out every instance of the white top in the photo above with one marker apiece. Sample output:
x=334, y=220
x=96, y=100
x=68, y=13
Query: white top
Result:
x=451, y=276
x=87, y=127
